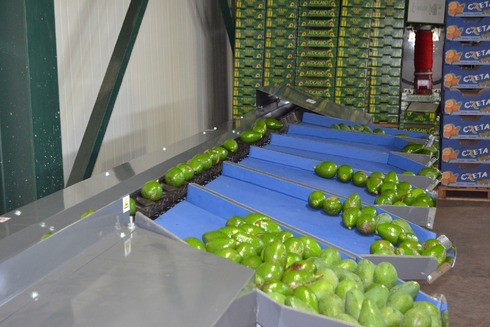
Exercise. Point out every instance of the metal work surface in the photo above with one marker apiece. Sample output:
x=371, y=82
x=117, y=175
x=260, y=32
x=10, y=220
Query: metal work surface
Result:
x=99, y=272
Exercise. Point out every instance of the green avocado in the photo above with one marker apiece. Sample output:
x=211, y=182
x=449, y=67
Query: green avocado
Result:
x=250, y=136
x=389, y=232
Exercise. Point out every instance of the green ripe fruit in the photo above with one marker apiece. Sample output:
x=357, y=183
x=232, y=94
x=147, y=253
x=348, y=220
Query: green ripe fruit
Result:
x=276, y=286
x=269, y=271
x=218, y=244
x=330, y=256
x=213, y=155
x=345, y=286
x=370, y=314
x=383, y=200
x=347, y=318
x=252, y=229
x=298, y=304
x=411, y=245
x=385, y=274
x=273, y=123
x=292, y=258
x=348, y=264
x=437, y=251
x=268, y=238
x=174, y=177
x=254, y=217
x=331, y=306
x=382, y=247
x=250, y=136
x=379, y=131
x=403, y=224
x=132, y=207
x=350, y=216
x=377, y=174
x=222, y=152
x=212, y=235
x=378, y=293
x=366, y=224
x=410, y=287
x=416, y=318
x=295, y=278
x=187, y=171
x=359, y=178
x=311, y=247
x=391, y=316
x=260, y=126
x=389, y=232
x=326, y=169
x=295, y=245
x=246, y=250
x=196, y=166
x=344, y=173
x=231, y=145
x=431, y=242
x=408, y=173
x=383, y=218
x=353, y=302
x=284, y=235
x=278, y=297
x=425, y=198
x=252, y=261
x=332, y=206
x=428, y=307
x=373, y=184
x=235, y=221
x=429, y=172
x=369, y=210
x=352, y=201
x=195, y=243
x=229, y=254
x=323, y=288
x=152, y=190
x=305, y=265
x=305, y=294
x=365, y=271
x=392, y=177
x=275, y=252
x=406, y=186
x=269, y=226
x=316, y=199
x=400, y=301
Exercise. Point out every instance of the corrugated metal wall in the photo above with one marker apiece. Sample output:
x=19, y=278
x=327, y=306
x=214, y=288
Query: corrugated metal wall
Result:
x=178, y=81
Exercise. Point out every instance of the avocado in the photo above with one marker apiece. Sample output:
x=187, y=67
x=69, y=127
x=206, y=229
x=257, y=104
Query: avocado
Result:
x=250, y=136
x=326, y=169
x=370, y=314
x=305, y=294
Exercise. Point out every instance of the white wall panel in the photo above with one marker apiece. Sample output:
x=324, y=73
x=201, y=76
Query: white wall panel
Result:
x=176, y=83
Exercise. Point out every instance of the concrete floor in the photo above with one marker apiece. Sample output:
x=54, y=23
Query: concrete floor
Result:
x=466, y=286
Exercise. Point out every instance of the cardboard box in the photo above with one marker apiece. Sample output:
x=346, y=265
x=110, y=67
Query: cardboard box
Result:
x=282, y=4
x=247, y=72
x=467, y=29
x=316, y=72
x=356, y=12
x=352, y=61
x=352, y=71
x=284, y=43
x=318, y=23
x=385, y=61
x=249, y=12
x=314, y=53
x=466, y=151
x=397, y=23
x=361, y=22
x=251, y=53
x=468, y=8
x=466, y=102
x=308, y=42
x=350, y=82
x=248, y=62
x=282, y=22
x=467, y=53
x=257, y=4
x=249, y=33
x=314, y=82
x=465, y=174
x=383, y=108
x=353, y=42
x=384, y=99
x=385, y=118
x=398, y=13
x=247, y=23
x=279, y=72
x=466, y=127
x=318, y=12
x=316, y=62
x=357, y=92
x=247, y=82
x=385, y=70
x=324, y=92
x=387, y=31
x=389, y=90
x=386, y=41
x=318, y=3
x=352, y=52
x=244, y=92
x=358, y=103
x=472, y=77
x=381, y=81
x=279, y=62
x=285, y=12
x=385, y=51
x=397, y=4
x=358, y=3
x=280, y=32
x=271, y=53
x=271, y=81
x=355, y=32
x=249, y=43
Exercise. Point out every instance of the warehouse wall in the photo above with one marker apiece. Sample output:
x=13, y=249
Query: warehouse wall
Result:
x=176, y=84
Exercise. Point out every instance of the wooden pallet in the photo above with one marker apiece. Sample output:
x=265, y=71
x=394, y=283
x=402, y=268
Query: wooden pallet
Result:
x=463, y=193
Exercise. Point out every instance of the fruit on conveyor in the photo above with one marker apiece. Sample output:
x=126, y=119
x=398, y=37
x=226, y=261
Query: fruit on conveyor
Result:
x=152, y=190
x=231, y=145
x=326, y=169
x=250, y=136
x=297, y=272
x=273, y=123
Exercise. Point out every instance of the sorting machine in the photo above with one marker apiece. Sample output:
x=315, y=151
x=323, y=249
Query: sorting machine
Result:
x=111, y=268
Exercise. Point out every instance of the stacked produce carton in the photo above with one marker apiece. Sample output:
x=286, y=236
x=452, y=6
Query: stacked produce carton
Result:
x=465, y=157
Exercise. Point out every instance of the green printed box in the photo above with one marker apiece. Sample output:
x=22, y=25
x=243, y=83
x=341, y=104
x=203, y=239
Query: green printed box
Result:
x=279, y=32
x=282, y=4
x=247, y=52
x=319, y=12
x=307, y=42
x=271, y=53
x=358, y=3
x=247, y=82
x=387, y=21
x=239, y=111
x=314, y=82
x=249, y=12
x=383, y=108
x=385, y=70
x=384, y=99
x=354, y=31
x=244, y=101
x=386, y=51
x=318, y=23
x=352, y=52
x=356, y=12
x=248, y=62
x=387, y=31
x=249, y=34
x=279, y=72
x=361, y=22
x=247, y=72
x=358, y=103
x=384, y=80
x=352, y=61
x=385, y=118
x=314, y=53
x=319, y=3
x=322, y=92
x=350, y=82
x=353, y=42
x=418, y=117
x=257, y=4
x=244, y=91
x=384, y=61
x=279, y=62
x=278, y=81
x=397, y=13
x=319, y=33
x=398, y=4
x=357, y=92
x=284, y=12
x=281, y=22
x=386, y=41
x=249, y=44
x=257, y=24
x=280, y=43
x=389, y=90
x=351, y=71
x=318, y=63
x=316, y=72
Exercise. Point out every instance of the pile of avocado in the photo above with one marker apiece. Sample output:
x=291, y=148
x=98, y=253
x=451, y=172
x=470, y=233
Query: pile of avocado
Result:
x=297, y=272
x=388, y=188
